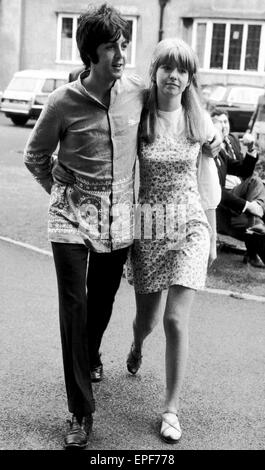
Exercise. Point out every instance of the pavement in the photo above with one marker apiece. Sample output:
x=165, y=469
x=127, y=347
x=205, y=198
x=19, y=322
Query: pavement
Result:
x=223, y=398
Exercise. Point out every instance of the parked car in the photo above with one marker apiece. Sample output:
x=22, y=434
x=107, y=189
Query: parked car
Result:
x=27, y=92
x=238, y=100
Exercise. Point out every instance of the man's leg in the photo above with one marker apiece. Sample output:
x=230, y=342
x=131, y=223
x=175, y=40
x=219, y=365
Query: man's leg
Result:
x=235, y=225
x=256, y=242
x=228, y=223
x=71, y=267
x=251, y=189
x=103, y=280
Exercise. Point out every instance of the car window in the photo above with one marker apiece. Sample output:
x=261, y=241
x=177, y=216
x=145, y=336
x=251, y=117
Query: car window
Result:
x=23, y=84
x=49, y=85
x=60, y=82
x=246, y=95
x=218, y=93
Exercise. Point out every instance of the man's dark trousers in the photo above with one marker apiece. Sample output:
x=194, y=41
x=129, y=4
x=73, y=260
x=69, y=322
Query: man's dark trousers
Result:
x=86, y=291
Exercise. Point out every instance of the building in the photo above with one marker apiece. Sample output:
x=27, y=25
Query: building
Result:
x=228, y=35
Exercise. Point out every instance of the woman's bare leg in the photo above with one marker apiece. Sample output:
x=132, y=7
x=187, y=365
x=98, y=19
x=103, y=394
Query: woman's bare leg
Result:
x=147, y=315
x=176, y=322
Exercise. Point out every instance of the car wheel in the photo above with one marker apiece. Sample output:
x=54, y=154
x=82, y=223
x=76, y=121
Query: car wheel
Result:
x=19, y=120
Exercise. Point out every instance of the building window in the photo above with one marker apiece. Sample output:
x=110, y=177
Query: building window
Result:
x=252, y=49
x=229, y=45
x=218, y=42
x=201, y=35
x=67, y=51
x=235, y=46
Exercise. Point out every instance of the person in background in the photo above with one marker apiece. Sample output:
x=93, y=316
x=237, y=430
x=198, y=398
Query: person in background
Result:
x=74, y=74
x=171, y=251
x=243, y=194
x=95, y=121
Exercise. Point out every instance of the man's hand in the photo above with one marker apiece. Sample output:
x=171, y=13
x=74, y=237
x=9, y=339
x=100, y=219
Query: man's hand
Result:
x=249, y=140
x=257, y=228
x=254, y=208
x=61, y=175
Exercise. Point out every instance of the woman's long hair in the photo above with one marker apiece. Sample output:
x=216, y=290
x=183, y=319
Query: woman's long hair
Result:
x=177, y=52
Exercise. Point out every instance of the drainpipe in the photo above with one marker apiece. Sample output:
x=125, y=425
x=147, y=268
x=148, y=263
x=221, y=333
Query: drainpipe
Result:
x=162, y=4
x=21, y=34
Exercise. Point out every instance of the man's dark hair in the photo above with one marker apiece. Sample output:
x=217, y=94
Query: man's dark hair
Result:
x=97, y=26
x=219, y=112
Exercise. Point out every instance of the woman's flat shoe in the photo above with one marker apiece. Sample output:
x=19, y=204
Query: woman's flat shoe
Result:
x=134, y=360
x=170, y=428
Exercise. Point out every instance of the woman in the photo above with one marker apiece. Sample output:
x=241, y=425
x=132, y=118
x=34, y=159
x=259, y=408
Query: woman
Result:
x=174, y=127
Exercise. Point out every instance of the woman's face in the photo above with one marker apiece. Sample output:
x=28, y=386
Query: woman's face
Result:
x=171, y=81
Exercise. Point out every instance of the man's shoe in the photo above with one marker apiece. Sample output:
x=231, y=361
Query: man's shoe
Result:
x=96, y=373
x=77, y=436
x=134, y=360
x=258, y=228
x=254, y=261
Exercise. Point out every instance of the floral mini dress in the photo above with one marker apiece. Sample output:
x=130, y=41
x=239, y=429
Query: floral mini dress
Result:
x=172, y=234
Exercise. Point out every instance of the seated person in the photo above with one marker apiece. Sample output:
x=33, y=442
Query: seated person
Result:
x=243, y=194
x=255, y=240
x=74, y=74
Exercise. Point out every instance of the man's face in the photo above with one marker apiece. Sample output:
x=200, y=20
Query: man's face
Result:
x=222, y=124
x=111, y=59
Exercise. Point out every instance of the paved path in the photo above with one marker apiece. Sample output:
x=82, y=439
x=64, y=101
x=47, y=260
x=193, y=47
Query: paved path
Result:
x=223, y=400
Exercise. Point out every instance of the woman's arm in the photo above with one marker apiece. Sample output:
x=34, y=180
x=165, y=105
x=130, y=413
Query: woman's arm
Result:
x=211, y=216
x=210, y=192
x=208, y=182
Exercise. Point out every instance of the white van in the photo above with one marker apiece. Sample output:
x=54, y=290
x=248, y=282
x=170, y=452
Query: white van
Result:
x=28, y=91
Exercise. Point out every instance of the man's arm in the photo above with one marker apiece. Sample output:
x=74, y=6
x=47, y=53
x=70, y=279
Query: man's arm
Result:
x=242, y=168
x=38, y=153
x=232, y=201
x=61, y=174
x=239, y=205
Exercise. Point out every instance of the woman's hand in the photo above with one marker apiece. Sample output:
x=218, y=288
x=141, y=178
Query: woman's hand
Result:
x=211, y=149
x=213, y=251
x=61, y=174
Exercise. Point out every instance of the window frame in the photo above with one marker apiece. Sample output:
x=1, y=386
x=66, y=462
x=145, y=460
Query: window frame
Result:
x=208, y=41
x=75, y=60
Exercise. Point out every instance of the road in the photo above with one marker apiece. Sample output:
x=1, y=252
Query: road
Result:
x=223, y=399
x=24, y=204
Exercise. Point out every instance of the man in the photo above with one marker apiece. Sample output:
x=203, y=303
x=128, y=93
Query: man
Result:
x=243, y=195
x=95, y=121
